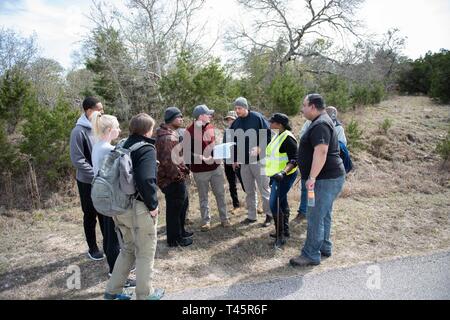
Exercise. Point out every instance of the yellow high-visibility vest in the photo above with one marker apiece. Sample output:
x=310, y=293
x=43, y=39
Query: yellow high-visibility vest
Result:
x=276, y=161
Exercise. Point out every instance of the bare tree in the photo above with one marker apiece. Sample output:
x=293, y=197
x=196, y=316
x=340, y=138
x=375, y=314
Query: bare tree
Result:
x=304, y=35
x=160, y=29
x=15, y=50
x=47, y=78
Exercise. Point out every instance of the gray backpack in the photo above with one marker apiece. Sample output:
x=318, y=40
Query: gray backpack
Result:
x=113, y=188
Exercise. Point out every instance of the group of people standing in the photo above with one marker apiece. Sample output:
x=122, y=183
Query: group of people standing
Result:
x=268, y=162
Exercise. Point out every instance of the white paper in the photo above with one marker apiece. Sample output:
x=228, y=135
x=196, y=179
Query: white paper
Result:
x=223, y=151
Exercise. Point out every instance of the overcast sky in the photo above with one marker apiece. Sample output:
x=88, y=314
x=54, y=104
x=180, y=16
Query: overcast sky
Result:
x=61, y=24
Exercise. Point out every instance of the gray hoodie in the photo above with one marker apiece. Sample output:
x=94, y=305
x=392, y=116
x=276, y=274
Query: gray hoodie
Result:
x=81, y=141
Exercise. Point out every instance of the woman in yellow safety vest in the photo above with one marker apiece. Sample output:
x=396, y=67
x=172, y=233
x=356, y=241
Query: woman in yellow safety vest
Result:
x=281, y=167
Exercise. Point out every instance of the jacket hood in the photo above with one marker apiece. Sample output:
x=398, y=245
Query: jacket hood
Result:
x=164, y=130
x=84, y=122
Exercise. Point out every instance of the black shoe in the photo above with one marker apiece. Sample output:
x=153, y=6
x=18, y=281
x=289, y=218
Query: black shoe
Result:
x=183, y=242
x=188, y=234
x=96, y=255
x=279, y=243
x=248, y=221
x=302, y=262
x=325, y=254
x=267, y=222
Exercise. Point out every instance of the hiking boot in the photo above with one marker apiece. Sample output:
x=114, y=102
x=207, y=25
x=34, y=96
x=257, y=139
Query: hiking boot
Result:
x=302, y=261
x=120, y=296
x=183, y=242
x=226, y=224
x=279, y=243
x=96, y=255
x=248, y=221
x=205, y=227
x=267, y=222
x=187, y=234
x=157, y=294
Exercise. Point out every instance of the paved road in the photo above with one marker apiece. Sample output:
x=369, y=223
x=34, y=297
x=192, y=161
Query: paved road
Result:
x=426, y=277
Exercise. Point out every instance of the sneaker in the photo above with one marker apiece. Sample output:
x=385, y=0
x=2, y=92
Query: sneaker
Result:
x=205, y=227
x=267, y=222
x=130, y=283
x=226, y=224
x=302, y=261
x=157, y=294
x=183, y=242
x=120, y=296
x=248, y=221
x=188, y=234
x=96, y=255
x=279, y=243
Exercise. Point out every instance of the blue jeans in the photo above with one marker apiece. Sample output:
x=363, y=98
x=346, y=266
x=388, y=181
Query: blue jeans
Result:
x=303, y=199
x=319, y=218
x=283, y=188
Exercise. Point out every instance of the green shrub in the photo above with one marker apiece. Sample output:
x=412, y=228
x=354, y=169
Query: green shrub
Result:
x=46, y=138
x=365, y=94
x=428, y=75
x=386, y=125
x=336, y=92
x=354, y=136
x=443, y=148
x=286, y=94
x=9, y=155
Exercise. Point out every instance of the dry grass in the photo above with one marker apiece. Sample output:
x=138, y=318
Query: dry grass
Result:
x=396, y=203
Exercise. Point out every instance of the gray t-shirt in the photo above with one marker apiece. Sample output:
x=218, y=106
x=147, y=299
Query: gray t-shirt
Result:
x=99, y=151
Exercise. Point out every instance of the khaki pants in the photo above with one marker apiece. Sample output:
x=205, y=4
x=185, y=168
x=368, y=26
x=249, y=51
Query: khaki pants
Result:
x=217, y=181
x=139, y=244
x=252, y=173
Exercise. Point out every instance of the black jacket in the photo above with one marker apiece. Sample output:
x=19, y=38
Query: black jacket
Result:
x=145, y=170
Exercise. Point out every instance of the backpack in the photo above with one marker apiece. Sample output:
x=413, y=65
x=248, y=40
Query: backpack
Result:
x=113, y=188
x=345, y=156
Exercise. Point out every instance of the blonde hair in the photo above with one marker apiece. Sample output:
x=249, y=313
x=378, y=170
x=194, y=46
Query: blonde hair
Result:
x=141, y=124
x=101, y=123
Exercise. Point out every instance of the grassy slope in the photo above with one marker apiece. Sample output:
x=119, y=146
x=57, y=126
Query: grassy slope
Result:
x=396, y=203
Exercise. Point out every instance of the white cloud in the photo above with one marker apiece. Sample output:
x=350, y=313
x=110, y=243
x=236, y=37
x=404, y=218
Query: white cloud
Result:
x=426, y=23
x=58, y=27
x=61, y=24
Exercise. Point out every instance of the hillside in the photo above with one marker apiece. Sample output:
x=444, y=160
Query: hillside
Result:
x=395, y=203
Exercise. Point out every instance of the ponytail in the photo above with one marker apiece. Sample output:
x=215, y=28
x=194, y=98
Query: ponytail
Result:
x=102, y=122
x=95, y=120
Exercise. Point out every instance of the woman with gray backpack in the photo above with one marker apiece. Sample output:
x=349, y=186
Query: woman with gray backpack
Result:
x=138, y=224
x=106, y=128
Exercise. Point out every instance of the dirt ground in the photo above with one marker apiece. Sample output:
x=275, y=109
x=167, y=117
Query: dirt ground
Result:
x=396, y=203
